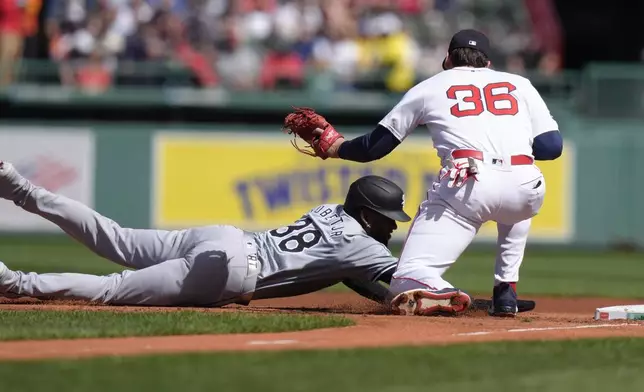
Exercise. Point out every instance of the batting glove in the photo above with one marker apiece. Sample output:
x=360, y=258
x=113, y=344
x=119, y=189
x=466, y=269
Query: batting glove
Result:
x=459, y=171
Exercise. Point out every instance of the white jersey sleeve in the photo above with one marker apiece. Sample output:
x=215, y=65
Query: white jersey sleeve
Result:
x=407, y=115
x=542, y=120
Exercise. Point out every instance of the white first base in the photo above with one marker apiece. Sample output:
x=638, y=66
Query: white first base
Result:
x=620, y=312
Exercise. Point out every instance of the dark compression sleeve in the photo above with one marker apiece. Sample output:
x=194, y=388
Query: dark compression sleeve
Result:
x=369, y=147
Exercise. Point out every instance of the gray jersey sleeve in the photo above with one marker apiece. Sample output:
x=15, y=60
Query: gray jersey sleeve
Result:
x=369, y=258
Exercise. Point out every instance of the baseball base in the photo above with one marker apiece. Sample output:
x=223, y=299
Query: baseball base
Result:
x=620, y=312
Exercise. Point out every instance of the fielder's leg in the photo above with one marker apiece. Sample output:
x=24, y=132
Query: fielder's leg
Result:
x=132, y=248
x=518, y=206
x=511, y=243
x=437, y=237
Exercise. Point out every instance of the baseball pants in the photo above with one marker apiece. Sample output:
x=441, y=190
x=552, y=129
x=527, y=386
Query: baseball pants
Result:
x=204, y=266
x=450, y=218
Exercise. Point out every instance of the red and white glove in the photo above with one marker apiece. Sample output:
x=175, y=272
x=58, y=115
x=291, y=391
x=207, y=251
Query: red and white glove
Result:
x=459, y=171
x=313, y=129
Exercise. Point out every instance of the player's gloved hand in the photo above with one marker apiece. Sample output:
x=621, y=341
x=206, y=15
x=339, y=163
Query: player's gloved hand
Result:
x=314, y=129
x=459, y=171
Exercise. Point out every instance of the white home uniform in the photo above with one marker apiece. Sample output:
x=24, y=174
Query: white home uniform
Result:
x=494, y=116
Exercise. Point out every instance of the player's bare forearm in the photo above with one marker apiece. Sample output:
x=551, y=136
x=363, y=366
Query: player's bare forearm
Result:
x=370, y=290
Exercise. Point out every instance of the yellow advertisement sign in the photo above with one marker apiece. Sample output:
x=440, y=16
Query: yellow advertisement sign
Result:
x=259, y=182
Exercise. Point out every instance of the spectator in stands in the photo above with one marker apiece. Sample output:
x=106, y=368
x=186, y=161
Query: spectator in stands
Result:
x=335, y=51
x=338, y=53
x=77, y=30
x=93, y=76
x=173, y=32
x=282, y=68
x=12, y=33
x=389, y=51
x=515, y=64
x=30, y=27
x=255, y=24
x=239, y=62
x=294, y=20
x=178, y=8
x=77, y=44
x=550, y=63
x=343, y=44
x=413, y=7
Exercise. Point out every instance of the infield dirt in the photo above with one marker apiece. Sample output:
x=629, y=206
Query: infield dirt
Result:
x=552, y=319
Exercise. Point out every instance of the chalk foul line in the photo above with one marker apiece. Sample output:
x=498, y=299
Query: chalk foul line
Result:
x=519, y=330
x=270, y=342
x=477, y=333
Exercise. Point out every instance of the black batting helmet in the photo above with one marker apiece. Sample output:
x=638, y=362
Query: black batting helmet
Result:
x=378, y=194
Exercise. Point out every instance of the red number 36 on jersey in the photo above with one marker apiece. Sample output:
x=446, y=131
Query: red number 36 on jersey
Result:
x=493, y=97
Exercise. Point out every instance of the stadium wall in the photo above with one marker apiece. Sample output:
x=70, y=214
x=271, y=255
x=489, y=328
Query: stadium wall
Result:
x=170, y=176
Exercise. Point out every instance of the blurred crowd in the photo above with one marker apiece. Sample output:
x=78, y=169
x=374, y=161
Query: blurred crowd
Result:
x=18, y=27
x=271, y=44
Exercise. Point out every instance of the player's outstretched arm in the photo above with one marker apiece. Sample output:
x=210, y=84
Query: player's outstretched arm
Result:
x=325, y=142
x=401, y=121
x=366, y=148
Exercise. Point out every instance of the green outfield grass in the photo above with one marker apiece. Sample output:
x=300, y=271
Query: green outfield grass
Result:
x=557, y=273
x=544, y=272
x=19, y=325
x=585, y=365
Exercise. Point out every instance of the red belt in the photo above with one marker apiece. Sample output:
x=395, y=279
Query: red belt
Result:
x=514, y=159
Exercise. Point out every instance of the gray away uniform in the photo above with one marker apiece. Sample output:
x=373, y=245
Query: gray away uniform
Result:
x=207, y=266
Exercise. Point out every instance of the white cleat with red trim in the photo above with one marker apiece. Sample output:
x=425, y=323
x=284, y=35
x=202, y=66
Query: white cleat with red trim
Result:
x=422, y=302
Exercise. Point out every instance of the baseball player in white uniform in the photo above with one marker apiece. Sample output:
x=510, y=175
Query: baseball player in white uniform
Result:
x=488, y=128
x=217, y=265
